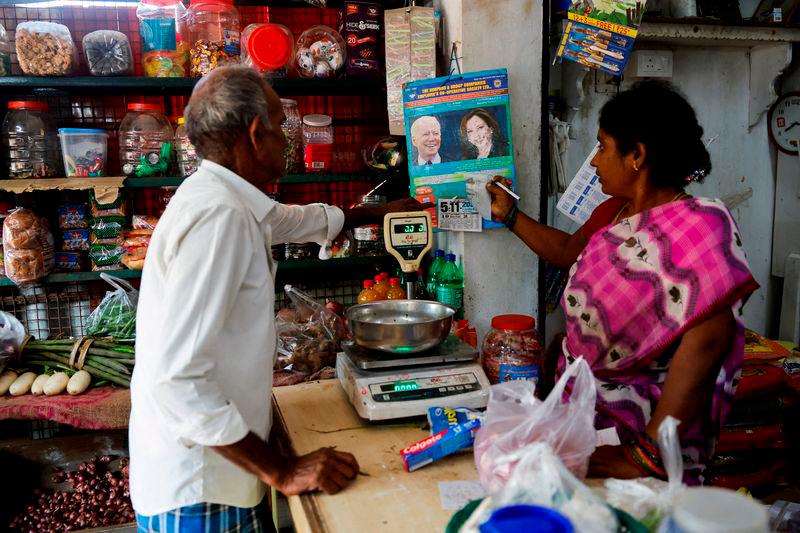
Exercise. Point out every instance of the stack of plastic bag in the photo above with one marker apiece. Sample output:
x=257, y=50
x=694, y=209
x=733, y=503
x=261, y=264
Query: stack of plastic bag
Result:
x=754, y=447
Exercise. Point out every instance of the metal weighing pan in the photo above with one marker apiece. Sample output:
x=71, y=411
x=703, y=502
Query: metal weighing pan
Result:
x=400, y=326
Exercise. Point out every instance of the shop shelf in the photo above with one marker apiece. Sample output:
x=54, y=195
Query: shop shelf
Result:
x=142, y=85
x=153, y=182
x=292, y=179
x=293, y=266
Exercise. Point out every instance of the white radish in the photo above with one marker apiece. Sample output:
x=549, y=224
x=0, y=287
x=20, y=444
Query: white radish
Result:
x=22, y=385
x=79, y=382
x=6, y=379
x=55, y=384
x=38, y=384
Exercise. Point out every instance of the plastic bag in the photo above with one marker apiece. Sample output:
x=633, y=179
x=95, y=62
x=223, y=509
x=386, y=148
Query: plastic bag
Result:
x=116, y=314
x=12, y=333
x=540, y=478
x=649, y=500
x=28, y=247
x=108, y=53
x=44, y=49
x=515, y=418
x=308, y=335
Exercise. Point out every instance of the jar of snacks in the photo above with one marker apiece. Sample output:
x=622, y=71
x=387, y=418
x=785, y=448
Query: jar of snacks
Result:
x=186, y=154
x=145, y=141
x=5, y=53
x=268, y=48
x=213, y=27
x=165, y=52
x=320, y=52
x=317, y=143
x=512, y=350
x=44, y=48
x=293, y=130
x=369, y=239
x=30, y=140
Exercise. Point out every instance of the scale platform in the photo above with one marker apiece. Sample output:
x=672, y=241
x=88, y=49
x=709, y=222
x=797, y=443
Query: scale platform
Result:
x=390, y=387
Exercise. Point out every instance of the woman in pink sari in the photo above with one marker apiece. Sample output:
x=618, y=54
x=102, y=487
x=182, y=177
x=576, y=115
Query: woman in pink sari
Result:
x=657, y=280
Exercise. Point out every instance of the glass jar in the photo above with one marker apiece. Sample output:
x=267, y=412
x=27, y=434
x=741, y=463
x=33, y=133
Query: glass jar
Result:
x=213, y=28
x=268, y=48
x=31, y=142
x=369, y=238
x=186, y=154
x=293, y=130
x=298, y=251
x=165, y=195
x=165, y=52
x=317, y=143
x=512, y=350
x=5, y=53
x=145, y=142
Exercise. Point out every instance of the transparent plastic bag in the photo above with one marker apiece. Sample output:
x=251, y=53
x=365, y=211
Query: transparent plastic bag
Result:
x=116, y=315
x=540, y=478
x=44, y=48
x=649, y=500
x=308, y=337
x=108, y=53
x=28, y=247
x=515, y=418
x=12, y=333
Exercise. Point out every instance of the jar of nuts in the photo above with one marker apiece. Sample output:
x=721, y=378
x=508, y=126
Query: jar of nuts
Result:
x=45, y=49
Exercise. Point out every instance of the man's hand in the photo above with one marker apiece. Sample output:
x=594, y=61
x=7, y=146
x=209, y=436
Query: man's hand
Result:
x=325, y=469
x=502, y=202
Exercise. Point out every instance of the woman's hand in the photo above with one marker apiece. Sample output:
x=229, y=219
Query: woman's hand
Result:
x=502, y=202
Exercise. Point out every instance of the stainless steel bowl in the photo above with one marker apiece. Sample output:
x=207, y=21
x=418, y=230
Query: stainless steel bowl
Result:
x=400, y=326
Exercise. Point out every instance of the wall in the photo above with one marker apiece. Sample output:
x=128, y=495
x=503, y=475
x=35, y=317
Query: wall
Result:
x=716, y=82
x=500, y=273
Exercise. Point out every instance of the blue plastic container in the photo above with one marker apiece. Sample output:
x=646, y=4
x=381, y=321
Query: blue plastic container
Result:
x=526, y=518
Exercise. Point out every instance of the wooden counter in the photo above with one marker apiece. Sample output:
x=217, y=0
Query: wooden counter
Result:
x=388, y=498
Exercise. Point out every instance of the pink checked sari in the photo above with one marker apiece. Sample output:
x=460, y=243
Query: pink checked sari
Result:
x=636, y=288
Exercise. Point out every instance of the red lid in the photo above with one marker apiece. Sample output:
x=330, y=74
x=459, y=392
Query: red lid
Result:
x=384, y=275
x=270, y=47
x=368, y=284
x=26, y=104
x=145, y=107
x=394, y=282
x=513, y=322
x=378, y=278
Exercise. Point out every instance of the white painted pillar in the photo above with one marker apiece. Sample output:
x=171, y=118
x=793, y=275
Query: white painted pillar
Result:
x=500, y=272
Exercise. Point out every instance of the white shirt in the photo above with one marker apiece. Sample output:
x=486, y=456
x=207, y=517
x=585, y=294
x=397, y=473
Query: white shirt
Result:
x=434, y=161
x=205, y=342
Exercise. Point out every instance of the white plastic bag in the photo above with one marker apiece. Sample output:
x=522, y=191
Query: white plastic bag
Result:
x=540, y=478
x=649, y=500
x=515, y=418
x=12, y=333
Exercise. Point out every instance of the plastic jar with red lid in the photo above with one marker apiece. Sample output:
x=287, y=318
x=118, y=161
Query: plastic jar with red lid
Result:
x=512, y=350
x=145, y=141
x=268, y=48
x=31, y=141
x=213, y=27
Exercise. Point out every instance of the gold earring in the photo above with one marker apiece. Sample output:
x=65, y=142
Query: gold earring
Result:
x=636, y=167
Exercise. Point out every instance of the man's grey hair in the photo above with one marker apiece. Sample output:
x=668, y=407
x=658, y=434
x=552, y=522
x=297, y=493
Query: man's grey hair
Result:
x=422, y=122
x=222, y=107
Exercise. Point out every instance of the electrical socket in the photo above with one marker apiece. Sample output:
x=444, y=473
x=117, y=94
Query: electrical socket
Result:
x=653, y=63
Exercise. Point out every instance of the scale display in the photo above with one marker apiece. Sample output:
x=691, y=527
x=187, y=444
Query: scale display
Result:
x=424, y=388
x=403, y=229
x=407, y=237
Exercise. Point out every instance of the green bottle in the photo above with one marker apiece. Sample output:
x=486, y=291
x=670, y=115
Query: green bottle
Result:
x=433, y=272
x=450, y=285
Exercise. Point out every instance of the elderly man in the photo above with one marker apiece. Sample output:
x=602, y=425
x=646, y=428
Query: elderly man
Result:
x=426, y=137
x=201, y=389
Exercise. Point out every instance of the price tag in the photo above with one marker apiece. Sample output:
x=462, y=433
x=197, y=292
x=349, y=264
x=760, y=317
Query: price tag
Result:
x=458, y=214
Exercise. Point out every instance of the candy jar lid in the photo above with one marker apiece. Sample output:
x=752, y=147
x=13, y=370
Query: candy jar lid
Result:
x=319, y=121
x=513, y=322
x=270, y=47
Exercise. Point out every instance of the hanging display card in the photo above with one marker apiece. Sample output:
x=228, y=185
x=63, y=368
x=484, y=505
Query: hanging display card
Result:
x=458, y=131
x=583, y=194
x=600, y=33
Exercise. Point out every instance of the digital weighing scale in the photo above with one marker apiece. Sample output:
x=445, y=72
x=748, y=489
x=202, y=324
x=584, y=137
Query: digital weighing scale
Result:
x=384, y=386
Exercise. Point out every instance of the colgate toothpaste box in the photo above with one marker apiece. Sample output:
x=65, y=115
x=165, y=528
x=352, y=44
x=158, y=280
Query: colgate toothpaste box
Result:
x=440, y=445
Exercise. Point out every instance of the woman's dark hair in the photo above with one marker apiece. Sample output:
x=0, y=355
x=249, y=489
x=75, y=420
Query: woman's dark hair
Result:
x=655, y=114
x=497, y=139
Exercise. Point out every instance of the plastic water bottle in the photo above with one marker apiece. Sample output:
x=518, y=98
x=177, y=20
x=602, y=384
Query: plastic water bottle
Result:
x=450, y=285
x=433, y=272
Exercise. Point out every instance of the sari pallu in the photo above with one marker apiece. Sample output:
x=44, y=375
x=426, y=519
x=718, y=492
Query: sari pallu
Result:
x=635, y=289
